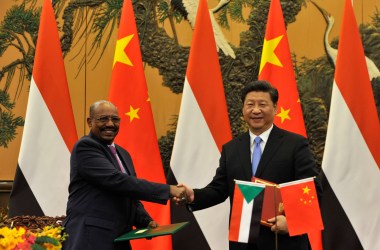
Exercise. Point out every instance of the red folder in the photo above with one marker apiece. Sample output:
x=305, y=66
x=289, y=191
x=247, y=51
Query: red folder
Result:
x=272, y=204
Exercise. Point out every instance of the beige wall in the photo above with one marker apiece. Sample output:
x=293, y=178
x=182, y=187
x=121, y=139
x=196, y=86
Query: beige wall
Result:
x=306, y=34
x=305, y=38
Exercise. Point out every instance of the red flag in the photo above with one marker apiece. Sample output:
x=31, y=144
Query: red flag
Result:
x=276, y=67
x=351, y=159
x=129, y=92
x=301, y=206
x=49, y=131
x=203, y=127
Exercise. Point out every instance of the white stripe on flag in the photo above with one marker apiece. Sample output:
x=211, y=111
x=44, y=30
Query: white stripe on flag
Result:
x=245, y=222
x=351, y=170
x=37, y=158
x=194, y=160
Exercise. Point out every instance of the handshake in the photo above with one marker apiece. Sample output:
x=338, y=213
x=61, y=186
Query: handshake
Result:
x=181, y=194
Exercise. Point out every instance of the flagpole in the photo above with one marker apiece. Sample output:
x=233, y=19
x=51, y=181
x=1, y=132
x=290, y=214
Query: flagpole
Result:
x=275, y=216
x=85, y=73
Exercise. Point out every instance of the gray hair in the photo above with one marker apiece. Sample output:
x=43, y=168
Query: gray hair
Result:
x=97, y=103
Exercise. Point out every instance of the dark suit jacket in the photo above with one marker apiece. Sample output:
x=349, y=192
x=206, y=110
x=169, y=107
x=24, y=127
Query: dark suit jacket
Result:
x=286, y=157
x=104, y=202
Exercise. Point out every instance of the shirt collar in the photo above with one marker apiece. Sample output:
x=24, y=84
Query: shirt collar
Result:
x=264, y=135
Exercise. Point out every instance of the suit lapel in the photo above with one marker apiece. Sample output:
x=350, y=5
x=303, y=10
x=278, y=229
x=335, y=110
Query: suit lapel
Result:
x=273, y=143
x=106, y=149
x=245, y=155
x=112, y=157
x=123, y=159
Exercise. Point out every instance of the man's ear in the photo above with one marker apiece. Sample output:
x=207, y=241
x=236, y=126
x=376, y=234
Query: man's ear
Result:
x=89, y=122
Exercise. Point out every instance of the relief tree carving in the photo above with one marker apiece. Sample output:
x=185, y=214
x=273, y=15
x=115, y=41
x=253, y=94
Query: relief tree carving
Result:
x=163, y=52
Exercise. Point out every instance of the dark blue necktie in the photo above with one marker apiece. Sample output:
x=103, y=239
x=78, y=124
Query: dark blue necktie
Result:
x=256, y=155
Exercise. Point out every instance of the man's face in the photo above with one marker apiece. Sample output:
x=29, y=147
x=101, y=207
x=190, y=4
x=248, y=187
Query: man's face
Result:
x=258, y=111
x=105, y=122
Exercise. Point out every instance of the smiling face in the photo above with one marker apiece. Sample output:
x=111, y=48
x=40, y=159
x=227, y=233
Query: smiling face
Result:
x=104, y=122
x=259, y=111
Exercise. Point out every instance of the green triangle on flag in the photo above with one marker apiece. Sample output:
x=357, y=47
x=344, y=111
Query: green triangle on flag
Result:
x=249, y=192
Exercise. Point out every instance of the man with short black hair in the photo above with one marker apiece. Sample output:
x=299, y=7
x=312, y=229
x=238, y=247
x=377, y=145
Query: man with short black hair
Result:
x=285, y=157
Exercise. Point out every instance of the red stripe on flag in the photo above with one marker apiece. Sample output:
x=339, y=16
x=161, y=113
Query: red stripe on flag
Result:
x=237, y=208
x=137, y=134
x=353, y=82
x=49, y=74
x=206, y=81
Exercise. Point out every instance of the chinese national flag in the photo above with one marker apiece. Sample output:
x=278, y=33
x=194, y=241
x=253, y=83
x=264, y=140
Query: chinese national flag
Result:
x=301, y=206
x=129, y=92
x=276, y=67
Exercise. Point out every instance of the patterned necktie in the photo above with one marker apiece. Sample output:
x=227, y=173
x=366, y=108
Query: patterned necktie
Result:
x=256, y=155
x=113, y=150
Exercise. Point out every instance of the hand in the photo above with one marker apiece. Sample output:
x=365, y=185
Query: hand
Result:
x=177, y=193
x=152, y=224
x=279, y=224
x=189, y=192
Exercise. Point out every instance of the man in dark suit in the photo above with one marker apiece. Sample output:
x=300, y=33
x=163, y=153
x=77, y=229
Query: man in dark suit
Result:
x=285, y=157
x=104, y=191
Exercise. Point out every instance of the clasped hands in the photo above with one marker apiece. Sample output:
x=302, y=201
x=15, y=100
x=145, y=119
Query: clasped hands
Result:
x=181, y=194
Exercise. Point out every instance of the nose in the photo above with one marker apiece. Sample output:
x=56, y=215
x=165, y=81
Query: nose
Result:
x=256, y=109
x=110, y=122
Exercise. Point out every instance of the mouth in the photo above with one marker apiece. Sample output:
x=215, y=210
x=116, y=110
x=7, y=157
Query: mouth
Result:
x=256, y=118
x=109, y=132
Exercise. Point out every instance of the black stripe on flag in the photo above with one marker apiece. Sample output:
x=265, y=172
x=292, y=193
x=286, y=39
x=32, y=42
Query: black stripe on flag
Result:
x=191, y=236
x=256, y=217
x=338, y=232
x=22, y=200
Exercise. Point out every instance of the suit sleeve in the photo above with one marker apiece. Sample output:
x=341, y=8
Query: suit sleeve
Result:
x=142, y=218
x=94, y=164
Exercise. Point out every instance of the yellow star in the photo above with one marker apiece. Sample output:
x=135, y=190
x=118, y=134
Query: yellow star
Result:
x=268, y=55
x=306, y=190
x=133, y=113
x=120, y=55
x=284, y=114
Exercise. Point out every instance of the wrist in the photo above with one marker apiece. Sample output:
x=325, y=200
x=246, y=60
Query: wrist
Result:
x=170, y=192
